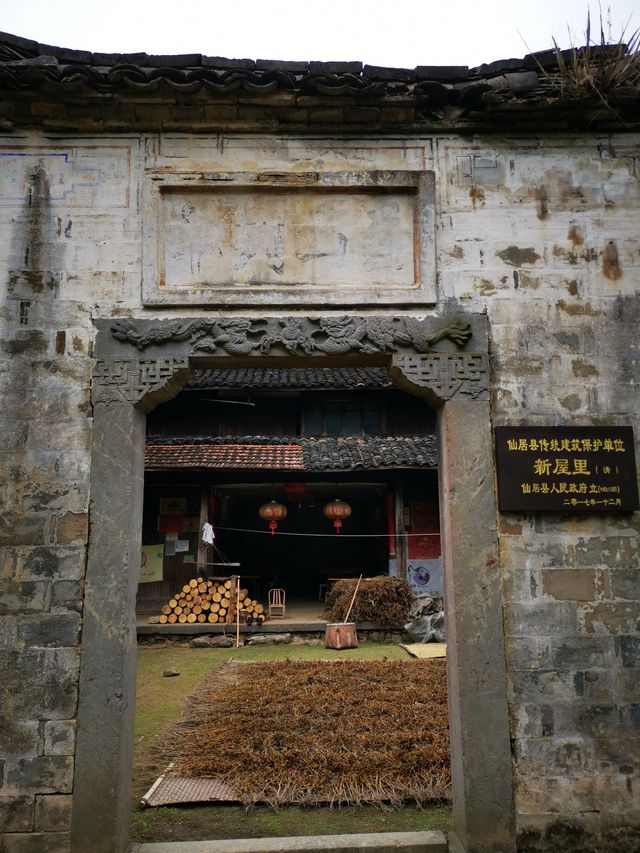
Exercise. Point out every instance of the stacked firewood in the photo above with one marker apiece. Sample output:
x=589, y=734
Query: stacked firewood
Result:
x=212, y=601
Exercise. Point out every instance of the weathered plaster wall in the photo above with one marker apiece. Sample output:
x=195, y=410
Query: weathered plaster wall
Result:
x=540, y=234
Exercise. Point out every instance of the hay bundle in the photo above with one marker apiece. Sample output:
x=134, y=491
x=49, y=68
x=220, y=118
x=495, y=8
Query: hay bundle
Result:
x=318, y=732
x=383, y=600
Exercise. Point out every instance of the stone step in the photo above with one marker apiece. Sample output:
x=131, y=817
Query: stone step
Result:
x=371, y=842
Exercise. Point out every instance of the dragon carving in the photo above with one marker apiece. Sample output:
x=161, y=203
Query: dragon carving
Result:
x=327, y=335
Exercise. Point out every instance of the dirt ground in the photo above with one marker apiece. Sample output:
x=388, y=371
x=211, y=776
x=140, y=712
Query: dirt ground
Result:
x=160, y=702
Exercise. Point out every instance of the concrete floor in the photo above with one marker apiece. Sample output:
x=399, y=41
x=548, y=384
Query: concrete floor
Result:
x=300, y=615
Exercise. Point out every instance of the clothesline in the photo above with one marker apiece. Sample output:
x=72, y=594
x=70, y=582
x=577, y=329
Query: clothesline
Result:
x=328, y=535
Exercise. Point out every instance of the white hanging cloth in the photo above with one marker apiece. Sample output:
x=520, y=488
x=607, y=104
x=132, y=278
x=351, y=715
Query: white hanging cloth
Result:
x=207, y=534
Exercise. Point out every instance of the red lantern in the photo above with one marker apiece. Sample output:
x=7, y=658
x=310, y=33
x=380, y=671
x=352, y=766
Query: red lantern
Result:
x=337, y=510
x=273, y=512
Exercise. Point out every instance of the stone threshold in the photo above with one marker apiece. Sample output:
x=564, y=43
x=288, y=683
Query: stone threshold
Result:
x=372, y=842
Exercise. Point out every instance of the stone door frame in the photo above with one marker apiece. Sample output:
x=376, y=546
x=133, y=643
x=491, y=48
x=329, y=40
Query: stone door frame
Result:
x=141, y=363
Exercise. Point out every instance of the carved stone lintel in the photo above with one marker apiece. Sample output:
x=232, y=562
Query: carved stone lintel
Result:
x=297, y=335
x=441, y=376
x=145, y=384
x=437, y=375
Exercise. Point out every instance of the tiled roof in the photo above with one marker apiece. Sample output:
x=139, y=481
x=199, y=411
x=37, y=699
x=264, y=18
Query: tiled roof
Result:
x=293, y=377
x=283, y=457
x=341, y=453
x=46, y=85
x=346, y=452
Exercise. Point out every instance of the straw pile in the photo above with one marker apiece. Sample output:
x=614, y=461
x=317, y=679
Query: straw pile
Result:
x=382, y=600
x=319, y=732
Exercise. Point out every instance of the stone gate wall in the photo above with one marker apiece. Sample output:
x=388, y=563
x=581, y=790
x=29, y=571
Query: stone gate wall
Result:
x=541, y=234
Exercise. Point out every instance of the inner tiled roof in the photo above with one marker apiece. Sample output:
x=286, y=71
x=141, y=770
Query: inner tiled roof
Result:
x=282, y=457
x=292, y=377
x=340, y=453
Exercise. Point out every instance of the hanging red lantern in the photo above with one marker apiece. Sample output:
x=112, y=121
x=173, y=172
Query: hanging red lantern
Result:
x=273, y=512
x=337, y=510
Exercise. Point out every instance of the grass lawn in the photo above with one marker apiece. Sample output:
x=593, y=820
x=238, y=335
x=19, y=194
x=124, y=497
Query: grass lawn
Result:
x=160, y=702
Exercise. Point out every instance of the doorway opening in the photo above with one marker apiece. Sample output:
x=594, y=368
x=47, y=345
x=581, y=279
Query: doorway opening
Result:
x=142, y=363
x=233, y=441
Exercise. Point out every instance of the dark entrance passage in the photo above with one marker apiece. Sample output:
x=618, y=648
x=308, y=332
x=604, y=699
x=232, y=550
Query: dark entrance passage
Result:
x=305, y=552
x=304, y=555
x=235, y=440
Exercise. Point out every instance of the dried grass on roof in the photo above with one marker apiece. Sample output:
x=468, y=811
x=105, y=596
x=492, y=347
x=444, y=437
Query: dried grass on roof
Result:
x=382, y=600
x=319, y=732
x=608, y=70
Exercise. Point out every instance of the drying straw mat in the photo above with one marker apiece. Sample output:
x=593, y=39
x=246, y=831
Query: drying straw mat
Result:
x=425, y=650
x=317, y=732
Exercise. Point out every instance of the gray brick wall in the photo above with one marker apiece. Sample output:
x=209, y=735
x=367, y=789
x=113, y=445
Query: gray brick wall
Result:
x=540, y=234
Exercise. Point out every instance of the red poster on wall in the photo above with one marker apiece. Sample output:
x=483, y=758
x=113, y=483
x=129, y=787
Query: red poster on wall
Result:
x=425, y=520
x=170, y=523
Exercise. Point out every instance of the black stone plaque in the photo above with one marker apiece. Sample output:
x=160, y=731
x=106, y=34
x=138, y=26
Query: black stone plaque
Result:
x=566, y=469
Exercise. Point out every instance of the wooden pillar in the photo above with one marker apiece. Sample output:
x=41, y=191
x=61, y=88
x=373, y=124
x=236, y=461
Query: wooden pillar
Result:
x=401, y=539
x=202, y=568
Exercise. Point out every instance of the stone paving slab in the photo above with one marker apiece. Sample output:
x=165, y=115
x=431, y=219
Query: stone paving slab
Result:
x=372, y=842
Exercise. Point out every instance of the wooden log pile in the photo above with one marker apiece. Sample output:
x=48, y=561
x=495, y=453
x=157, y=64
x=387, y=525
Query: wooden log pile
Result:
x=211, y=601
x=382, y=600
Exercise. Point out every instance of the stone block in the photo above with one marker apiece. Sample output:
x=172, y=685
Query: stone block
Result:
x=540, y=619
x=625, y=583
x=44, y=774
x=533, y=720
x=66, y=595
x=554, y=756
x=53, y=812
x=19, y=529
x=529, y=653
x=72, y=527
x=16, y=813
x=552, y=833
x=569, y=584
x=59, y=737
x=555, y=795
x=50, y=630
x=629, y=650
x=37, y=842
x=617, y=617
x=508, y=528
x=19, y=737
x=23, y=597
x=41, y=681
x=594, y=686
x=598, y=720
x=52, y=562
x=582, y=652
x=614, y=551
x=14, y=434
x=542, y=686
x=8, y=632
